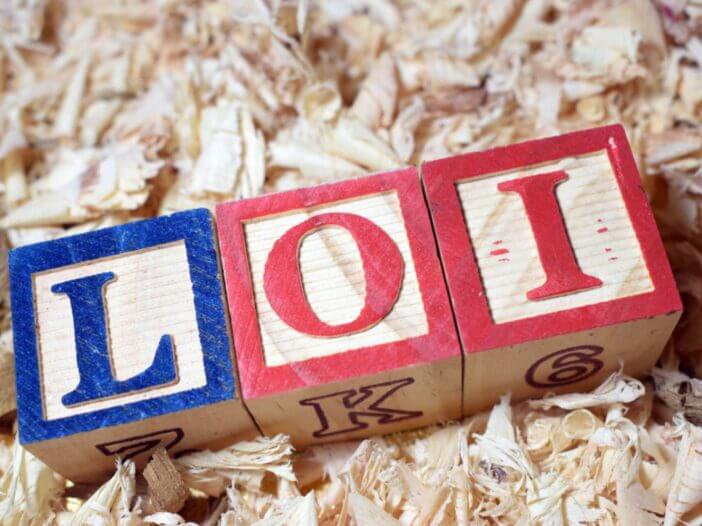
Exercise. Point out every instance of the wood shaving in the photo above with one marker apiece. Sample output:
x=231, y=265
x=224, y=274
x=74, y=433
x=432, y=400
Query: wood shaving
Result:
x=616, y=388
x=124, y=109
x=27, y=490
x=8, y=402
x=244, y=463
x=686, y=486
x=167, y=491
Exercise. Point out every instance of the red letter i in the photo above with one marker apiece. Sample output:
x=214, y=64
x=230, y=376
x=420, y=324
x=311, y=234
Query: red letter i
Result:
x=563, y=274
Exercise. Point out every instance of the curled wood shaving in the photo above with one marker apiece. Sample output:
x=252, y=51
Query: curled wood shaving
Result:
x=8, y=402
x=28, y=489
x=616, y=388
x=112, y=503
x=686, y=486
x=365, y=511
x=298, y=510
x=680, y=393
x=245, y=463
x=164, y=518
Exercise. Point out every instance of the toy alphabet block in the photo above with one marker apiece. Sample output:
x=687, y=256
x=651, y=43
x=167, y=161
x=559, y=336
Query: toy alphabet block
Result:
x=340, y=315
x=122, y=345
x=554, y=264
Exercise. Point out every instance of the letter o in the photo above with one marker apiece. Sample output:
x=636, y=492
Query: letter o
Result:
x=383, y=269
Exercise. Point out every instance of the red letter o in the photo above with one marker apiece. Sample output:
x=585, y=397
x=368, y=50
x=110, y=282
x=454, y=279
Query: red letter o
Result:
x=383, y=270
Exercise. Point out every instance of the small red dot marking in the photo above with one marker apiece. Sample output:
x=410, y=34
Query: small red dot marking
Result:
x=602, y=230
x=503, y=259
x=608, y=249
x=499, y=252
x=613, y=258
x=498, y=242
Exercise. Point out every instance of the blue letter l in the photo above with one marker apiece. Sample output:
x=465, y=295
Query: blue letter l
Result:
x=97, y=377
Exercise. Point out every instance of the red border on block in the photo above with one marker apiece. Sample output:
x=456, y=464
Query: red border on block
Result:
x=476, y=328
x=259, y=380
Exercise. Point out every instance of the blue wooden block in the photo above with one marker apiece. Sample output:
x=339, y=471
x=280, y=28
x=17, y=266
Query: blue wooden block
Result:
x=122, y=345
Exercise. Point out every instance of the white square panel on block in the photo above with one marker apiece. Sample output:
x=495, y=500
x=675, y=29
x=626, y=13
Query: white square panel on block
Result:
x=333, y=281
x=150, y=296
x=597, y=222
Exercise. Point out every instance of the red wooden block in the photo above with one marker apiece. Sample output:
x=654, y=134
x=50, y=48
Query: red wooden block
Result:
x=340, y=315
x=554, y=264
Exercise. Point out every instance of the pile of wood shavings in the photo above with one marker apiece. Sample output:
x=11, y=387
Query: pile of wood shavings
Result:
x=117, y=110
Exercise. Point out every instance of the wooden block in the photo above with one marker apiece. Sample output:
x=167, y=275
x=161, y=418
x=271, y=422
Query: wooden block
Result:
x=122, y=345
x=554, y=264
x=167, y=491
x=340, y=315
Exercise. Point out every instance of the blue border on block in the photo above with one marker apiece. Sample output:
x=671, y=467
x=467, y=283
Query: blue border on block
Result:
x=195, y=228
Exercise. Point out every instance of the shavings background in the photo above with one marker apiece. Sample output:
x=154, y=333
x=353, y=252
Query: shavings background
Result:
x=117, y=110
